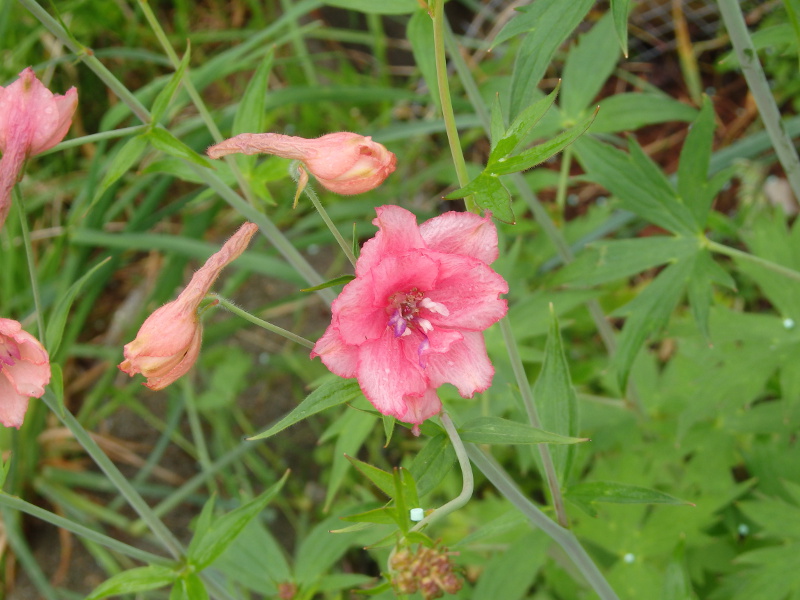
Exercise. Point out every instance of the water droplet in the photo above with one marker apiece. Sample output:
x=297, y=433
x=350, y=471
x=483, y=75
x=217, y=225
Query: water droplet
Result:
x=629, y=558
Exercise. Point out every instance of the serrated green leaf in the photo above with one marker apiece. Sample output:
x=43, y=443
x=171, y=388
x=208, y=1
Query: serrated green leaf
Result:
x=214, y=540
x=555, y=399
x=163, y=140
x=489, y=194
x=432, y=463
x=58, y=318
x=620, y=9
x=140, y=579
x=161, y=103
x=631, y=111
x=341, y=280
x=620, y=493
x=251, y=114
x=383, y=480
x=526, y=120
x=127, y=156
x=495, y=430
x=331, y=393
x=541, y=152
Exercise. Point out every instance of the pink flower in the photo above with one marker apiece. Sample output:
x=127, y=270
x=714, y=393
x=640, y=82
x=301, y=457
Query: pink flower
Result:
x=24, y=371
x=412, y=318
x=343, y=162
x=168, y=342
x=32, y=120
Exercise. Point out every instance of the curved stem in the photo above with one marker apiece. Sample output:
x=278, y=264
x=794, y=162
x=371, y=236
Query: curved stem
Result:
x=26, y=240
x=761, y=262
x=348, y=251
x=563, y=537
x=468, y=478
x=446, y=103
x=227, y=304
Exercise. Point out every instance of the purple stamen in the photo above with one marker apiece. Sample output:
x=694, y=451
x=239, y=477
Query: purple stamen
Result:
x=398, y=323
x=423, y=346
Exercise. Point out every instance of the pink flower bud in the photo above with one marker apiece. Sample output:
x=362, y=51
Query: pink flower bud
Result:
x=168, y=342
x=24, y=371
x=32, y=120
x=343, y=162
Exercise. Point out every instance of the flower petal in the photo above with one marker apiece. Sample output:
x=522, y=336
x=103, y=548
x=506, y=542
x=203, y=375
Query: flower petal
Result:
x=462, y=233
x=12, y=404
x=398, y=233
x=421, y=407
x=465, y=365
x=339, y=357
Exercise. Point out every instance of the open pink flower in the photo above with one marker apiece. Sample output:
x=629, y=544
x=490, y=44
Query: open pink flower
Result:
x=412, y=318
x=24, y=371
x=32, y=120
x=168, y=342
x=345, y=163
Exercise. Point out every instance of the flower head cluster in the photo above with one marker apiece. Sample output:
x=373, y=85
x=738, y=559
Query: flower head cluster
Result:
x=428, y=570
x=345, y=163
x=32, y=120
x=24, y=371
x=168, y=342
x=412, y=318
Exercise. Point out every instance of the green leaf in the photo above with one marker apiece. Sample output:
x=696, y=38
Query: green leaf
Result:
x=331, y=393
x=628, y=112
x=705, y=272
x=526, y=120
x=620, y=493
x=432, y=463
x=190, y=587
x=134, y=580
x=495, y=430
x=208, y=544
x=386, y=515
x=163, y=140
x=319, y=551
x=341, y=280
x=490, y=194
x=251, y=115
x=58, y=318
x=694, y=162
x=510, y=574
x=541, y=152
x=357, y=425
x=419, y=32
x=383, y=480
x=402, y=506
x=408, y=488
x=57, y=385
x=127, y=156
x=549, y=22
x=498, y=123
x=394, y=7
x=555, y=398
x=620, y=10
x=161, y=103
x=587, y=67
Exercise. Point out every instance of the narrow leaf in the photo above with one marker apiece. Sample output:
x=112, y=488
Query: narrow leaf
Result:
x=620, y=493
x=620, y=9
x=526, y=120
x=694, y=161
x=161, y=103
x=386, y=515
x=140, y=579
x=127, y=156
x=163, y=140
x=341, y=280
x=251, y=114
x=383, y=480
x=432, y=463
x=490, y=194
x=495, y=430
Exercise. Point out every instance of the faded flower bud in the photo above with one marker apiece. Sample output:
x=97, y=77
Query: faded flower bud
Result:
x=428, y=570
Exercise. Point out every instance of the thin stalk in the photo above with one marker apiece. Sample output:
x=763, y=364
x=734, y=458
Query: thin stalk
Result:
x=533, y=417
x=759, y=87
x=446, y=103
x=155, y=525
x=26, y=240
x=501, y=480
x=96, y=137
x=25, y=557
x=14, y=503
x=346, y=248
x=761, y=262
x=468, y=479
x=563, y=179
x=197, y=430
x=227, y=304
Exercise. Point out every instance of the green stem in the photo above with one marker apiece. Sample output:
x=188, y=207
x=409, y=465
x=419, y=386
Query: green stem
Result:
x=197, y=430
x=346, y=248
x=96, y=137
x=155, y=525
x=767, y=264
x=227, y=304
x=533, y=417
x=757, y=82
x=446, y=103
x=16, y=540
x=468, y=479
x=563, y=537
x=26, y=240
x=14, y=503
x=563, y=179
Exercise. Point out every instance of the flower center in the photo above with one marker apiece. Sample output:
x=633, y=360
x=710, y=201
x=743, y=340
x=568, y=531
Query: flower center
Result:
x=9, y=355
x=405, y=310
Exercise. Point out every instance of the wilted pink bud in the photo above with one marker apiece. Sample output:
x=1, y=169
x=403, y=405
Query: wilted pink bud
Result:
x=24, y=371
x=343, y=162
x=168, y=342
x=32, y=120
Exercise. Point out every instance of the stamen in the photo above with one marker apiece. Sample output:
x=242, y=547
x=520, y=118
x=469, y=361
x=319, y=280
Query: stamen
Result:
x=423, y=346
x=436, y=307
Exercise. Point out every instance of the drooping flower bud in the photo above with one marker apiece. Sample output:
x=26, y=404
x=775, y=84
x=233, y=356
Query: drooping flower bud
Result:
x=32, y=120
x=344, y=163
x=168, y=342
x=24, y=371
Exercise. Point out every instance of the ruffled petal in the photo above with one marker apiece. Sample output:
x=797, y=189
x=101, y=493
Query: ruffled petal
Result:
x=386, y=376
x=398, y=232
x=339, y=357
x=356, y=315
x=12, y=404
x=465, y=365
x=462, y=233
x=421, y=407
x=469, y=289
